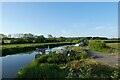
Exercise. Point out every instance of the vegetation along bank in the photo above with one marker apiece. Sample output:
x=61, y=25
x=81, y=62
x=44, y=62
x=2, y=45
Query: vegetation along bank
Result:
x=19, y=48
x=57, y=66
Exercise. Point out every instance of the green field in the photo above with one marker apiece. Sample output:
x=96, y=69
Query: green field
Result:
x=113, y=45
x=29, y=44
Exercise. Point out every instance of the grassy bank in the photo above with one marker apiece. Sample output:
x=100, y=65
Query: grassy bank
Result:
x=58, y=66
x=48, y=67
x=85, y=68
x=52, y=66
x=101, y=46
x=19, y=48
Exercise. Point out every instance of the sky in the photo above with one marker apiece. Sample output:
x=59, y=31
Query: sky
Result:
x=68, y=19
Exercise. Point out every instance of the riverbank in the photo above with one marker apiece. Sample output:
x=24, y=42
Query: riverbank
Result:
x=75, y=66
x=19, y=48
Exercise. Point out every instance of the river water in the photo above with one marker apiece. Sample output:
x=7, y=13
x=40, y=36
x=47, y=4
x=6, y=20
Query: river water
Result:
x=12, y=63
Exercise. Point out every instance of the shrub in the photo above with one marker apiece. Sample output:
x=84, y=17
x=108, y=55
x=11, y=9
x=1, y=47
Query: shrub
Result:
x=42, y=58
x=85, y=71
x=88, y=68
x=115, y=74
x=43, y=72
x=101, y=47
x=97, y=45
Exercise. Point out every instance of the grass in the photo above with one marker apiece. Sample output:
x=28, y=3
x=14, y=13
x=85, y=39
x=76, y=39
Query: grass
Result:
x=113, y=45
x=53, y=66
x=18, y=48
x=7, y=41
x=42, y=71
x=101, y=46
x=84, y=68
x=50, y=66
x=29, y=44
x=108, y=41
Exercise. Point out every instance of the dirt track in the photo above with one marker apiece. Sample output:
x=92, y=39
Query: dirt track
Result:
x=110, y=59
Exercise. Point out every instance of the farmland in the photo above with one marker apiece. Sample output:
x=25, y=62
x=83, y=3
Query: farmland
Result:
x=57, y=40
x=78, y=65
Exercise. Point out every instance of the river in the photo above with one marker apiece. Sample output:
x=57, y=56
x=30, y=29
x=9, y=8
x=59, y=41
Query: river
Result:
x=12, y=63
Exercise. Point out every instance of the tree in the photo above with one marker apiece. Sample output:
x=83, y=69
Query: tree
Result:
x=62, y=38
x=50, y=36
x=2, y=36
x=29, y=35
x=40, y=39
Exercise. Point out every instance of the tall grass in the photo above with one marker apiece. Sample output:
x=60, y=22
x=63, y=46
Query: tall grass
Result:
x=42, y=71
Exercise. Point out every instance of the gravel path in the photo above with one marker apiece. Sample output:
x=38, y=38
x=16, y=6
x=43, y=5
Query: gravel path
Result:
x=110, y=59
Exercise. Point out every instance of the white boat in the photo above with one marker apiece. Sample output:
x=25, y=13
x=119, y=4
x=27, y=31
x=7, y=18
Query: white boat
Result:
x=43, y=51
x=48, y=51
x=76, y=44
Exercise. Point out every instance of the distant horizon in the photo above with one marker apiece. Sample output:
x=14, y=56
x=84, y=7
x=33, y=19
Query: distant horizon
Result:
x=61, y=36
x=67, y=19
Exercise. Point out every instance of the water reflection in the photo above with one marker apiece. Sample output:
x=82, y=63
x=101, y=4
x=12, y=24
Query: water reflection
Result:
x=12, y=63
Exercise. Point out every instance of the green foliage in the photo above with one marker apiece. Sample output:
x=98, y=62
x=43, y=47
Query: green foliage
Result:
x=79, y=52
x=42, y=71
x=85, y=71
x=79, y=56
x=88, y=68
x=71, y=73
x=85, y=68
x=101, y=46
x=97, y=45
x=76, y=41
x=43, y=58
x=18, y=48
x=61, y=58
x=115, y=74
x=53, y=58
x=113, y=45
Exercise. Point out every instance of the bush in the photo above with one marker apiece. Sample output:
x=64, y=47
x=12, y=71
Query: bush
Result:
x=97, y=45
x=101, y=47
x=88, y=68
x=43, y=72
x=43, y=58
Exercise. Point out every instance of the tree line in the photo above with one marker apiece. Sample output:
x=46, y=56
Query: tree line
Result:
x=31, y=38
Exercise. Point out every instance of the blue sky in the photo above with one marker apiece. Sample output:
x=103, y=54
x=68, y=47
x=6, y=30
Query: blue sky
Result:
x=69, y=19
